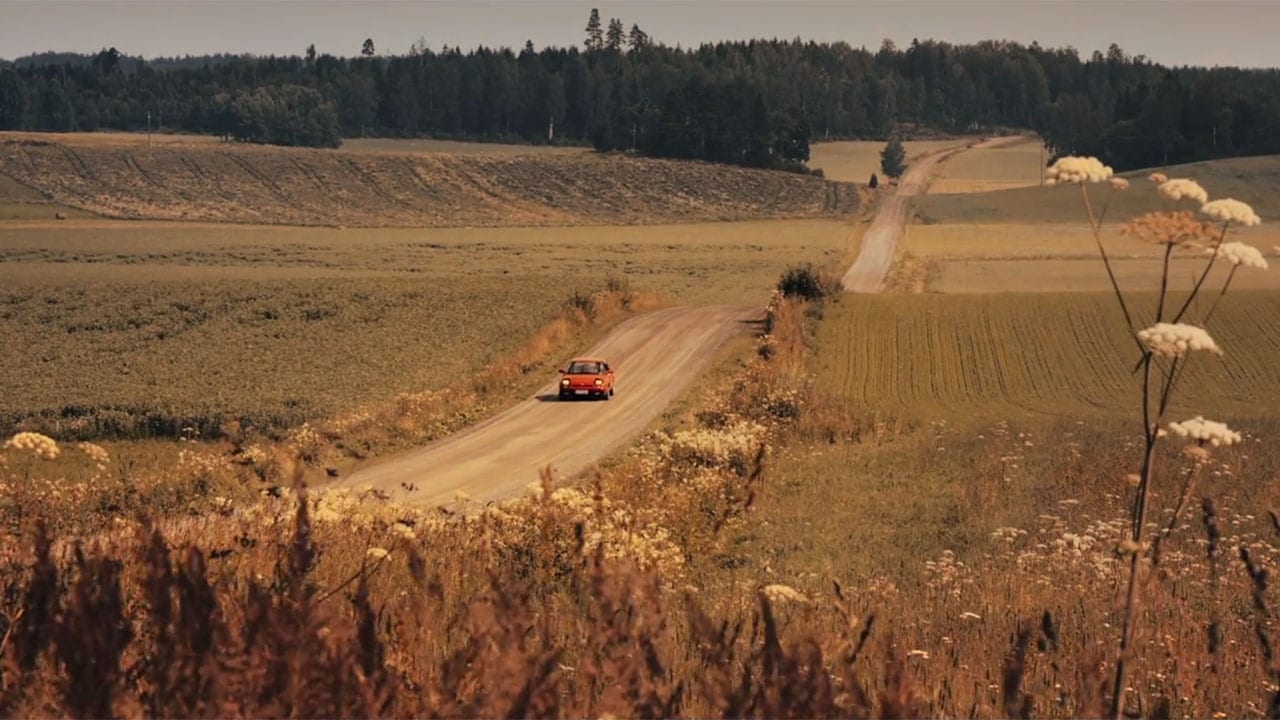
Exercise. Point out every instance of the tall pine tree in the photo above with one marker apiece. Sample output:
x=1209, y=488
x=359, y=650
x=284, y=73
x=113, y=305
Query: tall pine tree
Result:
x=595, y=35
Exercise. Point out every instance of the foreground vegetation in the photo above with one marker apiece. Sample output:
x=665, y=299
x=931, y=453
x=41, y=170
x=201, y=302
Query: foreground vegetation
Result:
x=616, y=598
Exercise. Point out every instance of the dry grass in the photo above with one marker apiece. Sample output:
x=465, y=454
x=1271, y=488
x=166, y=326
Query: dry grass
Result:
x=121, y=359
x=454, y=147
x=233, y=183
x=111, y=139
x=1053, y=275
x=701, y=263
x=854, y=160
x=1031, y=239
x=1047, y=354
x=993, y=168
x=277, y=326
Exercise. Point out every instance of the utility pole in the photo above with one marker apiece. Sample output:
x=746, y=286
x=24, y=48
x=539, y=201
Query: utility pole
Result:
x=148, y=134
x=551, y=128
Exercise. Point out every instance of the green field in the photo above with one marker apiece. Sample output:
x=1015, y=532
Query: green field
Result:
x=1042, y=354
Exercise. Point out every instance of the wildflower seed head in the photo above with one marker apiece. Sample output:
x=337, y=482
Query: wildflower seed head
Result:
x=1231, y=211
x=780, y=594
x=377, y=553
x=1158, y=178
x=1073, y=169
x=1176, y=339
x=1119, y=183
x=1179, y=188
x=1179, y=229
x=42, y=446
x=1238, y=253
x=1205, y=432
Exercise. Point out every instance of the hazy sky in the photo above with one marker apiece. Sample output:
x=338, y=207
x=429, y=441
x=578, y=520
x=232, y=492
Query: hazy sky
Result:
x=1173, y=32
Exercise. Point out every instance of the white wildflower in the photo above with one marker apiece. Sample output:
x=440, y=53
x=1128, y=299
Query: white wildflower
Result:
x=1238, y=253
x=1175, y=339
x=1119, y=183
x=1179, y=188
x=378, y=553
x=43, y=446
x=783, y=594
x=1205, y=431
x=1228, y=210
x=1158, y=178
x=1073, y=169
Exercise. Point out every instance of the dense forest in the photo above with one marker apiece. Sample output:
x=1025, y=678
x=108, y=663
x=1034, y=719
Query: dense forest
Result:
x=756, y=103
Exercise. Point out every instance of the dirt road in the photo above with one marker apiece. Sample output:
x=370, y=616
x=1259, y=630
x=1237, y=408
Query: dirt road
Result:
x=868, y=272
x=656, y=356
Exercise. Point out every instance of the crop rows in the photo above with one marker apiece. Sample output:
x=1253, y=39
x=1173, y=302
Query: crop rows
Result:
x=1044, y=354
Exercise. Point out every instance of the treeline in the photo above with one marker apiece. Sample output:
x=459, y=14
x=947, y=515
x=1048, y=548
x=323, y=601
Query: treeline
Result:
x=755, y=102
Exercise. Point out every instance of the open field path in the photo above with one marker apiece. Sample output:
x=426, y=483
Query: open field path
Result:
x=656, y=355
x=868, y=272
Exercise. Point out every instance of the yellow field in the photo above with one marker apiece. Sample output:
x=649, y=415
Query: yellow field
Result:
x=1254, y=180
x=110, y=139
x=703, y=263
x=1047, y=354
x=855, y=160
x=453, y=147
x=994, y=168
x=159, y=323
x=1084, y=275
x=1037, y=239
x=1060, y=240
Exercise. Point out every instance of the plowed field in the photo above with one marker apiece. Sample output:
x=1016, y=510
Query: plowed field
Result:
x=236, y=183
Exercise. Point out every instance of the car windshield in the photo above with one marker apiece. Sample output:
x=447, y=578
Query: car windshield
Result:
x=584, y=368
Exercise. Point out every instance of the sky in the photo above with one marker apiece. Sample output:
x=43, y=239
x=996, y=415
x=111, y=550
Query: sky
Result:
x=1171, y=32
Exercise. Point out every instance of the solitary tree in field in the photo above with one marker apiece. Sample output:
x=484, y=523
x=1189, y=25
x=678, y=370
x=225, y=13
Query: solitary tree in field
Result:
x=595, y=34
x=874, y=183
x=367, y=49
x=893, y=159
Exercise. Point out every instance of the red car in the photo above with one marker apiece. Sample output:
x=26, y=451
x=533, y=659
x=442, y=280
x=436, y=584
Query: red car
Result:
x=586, y=377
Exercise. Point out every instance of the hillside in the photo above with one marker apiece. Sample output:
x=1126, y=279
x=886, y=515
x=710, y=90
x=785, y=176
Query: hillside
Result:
x=235, y=183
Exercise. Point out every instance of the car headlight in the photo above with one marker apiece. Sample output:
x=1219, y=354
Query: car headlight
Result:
x=599, y=381
x=564, y=382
